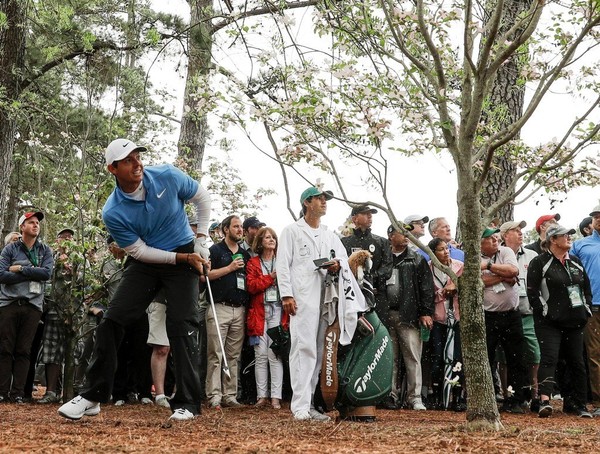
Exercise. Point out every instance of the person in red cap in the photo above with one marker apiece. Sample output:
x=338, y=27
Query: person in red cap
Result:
x=542, y=224
x=25, y=266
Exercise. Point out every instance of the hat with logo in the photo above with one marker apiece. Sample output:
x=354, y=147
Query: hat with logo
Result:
x=38, y=214
x=558, y=230
x=545, y=218
x=391, y=229
x=511, y=225
x=252, y=222
x=314, y=192
x=119, y=149
x=488, y=232
x=362, y=209
x=416, y=217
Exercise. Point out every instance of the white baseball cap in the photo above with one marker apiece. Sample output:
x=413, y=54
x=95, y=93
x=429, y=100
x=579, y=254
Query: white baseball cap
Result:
x=119, y=149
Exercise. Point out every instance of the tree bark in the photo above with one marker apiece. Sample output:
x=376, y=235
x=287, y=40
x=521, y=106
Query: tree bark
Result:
x=12, y=62
x=506, y=99
x=194, y=124
x=482, y=410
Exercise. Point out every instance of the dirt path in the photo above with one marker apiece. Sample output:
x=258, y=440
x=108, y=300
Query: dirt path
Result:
x=137, y=428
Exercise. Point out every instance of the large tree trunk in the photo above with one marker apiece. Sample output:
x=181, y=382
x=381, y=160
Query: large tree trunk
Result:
x=482, y=410
x=505, y=106
x=12, y=59
x=194, y=125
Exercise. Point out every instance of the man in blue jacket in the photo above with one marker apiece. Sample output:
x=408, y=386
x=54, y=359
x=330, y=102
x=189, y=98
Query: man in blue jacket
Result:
x=25, y=266
x=588, y=251
x=146, y=217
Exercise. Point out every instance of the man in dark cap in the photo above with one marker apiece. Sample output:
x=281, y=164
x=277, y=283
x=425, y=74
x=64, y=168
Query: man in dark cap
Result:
x=363, y=239
x=251, y=225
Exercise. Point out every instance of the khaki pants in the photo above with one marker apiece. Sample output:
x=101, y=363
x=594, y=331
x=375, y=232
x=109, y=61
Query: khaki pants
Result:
x=591, y=337
x=232, y=324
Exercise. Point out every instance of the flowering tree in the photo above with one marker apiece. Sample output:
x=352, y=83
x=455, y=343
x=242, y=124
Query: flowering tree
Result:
x=381, y=78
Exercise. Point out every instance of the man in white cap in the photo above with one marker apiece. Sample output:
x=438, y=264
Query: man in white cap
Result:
x=25, y=266
x=418, y=223
x=300, y=286
x=588, y=251
x=512, y=237
x=146, y=217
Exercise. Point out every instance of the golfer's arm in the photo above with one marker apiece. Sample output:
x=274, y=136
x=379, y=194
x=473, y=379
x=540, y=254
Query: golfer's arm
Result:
x=144, y=253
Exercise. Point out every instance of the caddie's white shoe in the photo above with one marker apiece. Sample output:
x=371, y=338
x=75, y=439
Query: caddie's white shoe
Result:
x=302, y=416
x=78, y=407
x=182, y=414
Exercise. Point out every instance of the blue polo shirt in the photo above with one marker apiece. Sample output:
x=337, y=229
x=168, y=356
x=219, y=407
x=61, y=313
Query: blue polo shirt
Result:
x=159, y=220
x=456, y=254
x=588, y=251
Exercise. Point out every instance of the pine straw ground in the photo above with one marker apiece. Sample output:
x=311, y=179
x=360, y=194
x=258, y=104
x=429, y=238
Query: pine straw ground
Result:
x=137, y=428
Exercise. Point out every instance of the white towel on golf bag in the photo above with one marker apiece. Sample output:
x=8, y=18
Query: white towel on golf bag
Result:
x=350, y=301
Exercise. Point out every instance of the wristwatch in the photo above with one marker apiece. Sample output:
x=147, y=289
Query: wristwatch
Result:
x=20, y=268
x=489, y=265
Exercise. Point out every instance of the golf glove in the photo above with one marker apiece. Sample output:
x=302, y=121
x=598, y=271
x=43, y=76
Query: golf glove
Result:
x=201, y=248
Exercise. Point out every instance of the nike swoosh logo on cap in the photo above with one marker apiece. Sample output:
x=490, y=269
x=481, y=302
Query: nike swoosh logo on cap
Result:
x=125, y=144
x=158, y=196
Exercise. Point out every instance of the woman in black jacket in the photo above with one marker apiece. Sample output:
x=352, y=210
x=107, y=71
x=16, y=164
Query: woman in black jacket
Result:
x=559, y=292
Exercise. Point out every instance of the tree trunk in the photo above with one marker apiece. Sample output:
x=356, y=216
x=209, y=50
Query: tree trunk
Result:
x=482, y=410
x=505, y=106
x=12, y=61
x=194, y=124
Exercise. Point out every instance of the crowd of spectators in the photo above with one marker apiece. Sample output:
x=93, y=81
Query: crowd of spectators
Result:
x=541, y=303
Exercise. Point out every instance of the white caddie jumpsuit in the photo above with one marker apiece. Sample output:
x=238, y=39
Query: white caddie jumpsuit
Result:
x=299, y=245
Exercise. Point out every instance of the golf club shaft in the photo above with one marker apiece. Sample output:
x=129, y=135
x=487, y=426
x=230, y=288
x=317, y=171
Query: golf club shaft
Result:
x=225, y=366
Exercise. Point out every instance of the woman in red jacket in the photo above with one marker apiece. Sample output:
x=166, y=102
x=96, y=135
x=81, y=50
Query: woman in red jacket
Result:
x=265, y=312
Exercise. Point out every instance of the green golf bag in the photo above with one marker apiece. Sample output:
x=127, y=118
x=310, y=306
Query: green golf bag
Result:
x=365, y=366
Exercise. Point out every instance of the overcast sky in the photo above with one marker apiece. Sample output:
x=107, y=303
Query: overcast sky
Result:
x=421, y=184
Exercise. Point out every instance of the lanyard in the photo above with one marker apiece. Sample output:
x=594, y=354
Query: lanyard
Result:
x=269, y=271
x=30, y=253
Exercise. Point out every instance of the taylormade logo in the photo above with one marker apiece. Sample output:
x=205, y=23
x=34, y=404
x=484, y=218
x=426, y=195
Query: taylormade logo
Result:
x=360, y=385
x=330, y=341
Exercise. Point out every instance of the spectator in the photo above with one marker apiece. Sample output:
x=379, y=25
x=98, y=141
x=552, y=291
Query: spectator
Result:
x=418, y=224
x=11, y=238
x=59, y=306
x=587, y=250
x=159, y=341
x=265, y=312
x=446, y=317
x=439, y=228
x=585, y=227
x=503, y=325
x=513, y=238
x=251, y=226
x=300, y=287
x=363, y=239
x=541, y=225
x=25, y=266
x=410, y=296
x=559, y=292
x=145, y=214
x=228, y=283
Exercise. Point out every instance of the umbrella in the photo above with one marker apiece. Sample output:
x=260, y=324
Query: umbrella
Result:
x=449, y=355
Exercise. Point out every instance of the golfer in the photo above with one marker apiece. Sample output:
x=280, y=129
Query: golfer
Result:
x=145, y=215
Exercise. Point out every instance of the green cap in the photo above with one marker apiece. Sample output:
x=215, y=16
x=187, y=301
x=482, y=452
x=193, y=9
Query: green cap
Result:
x=488, y=232
x=312, y=192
